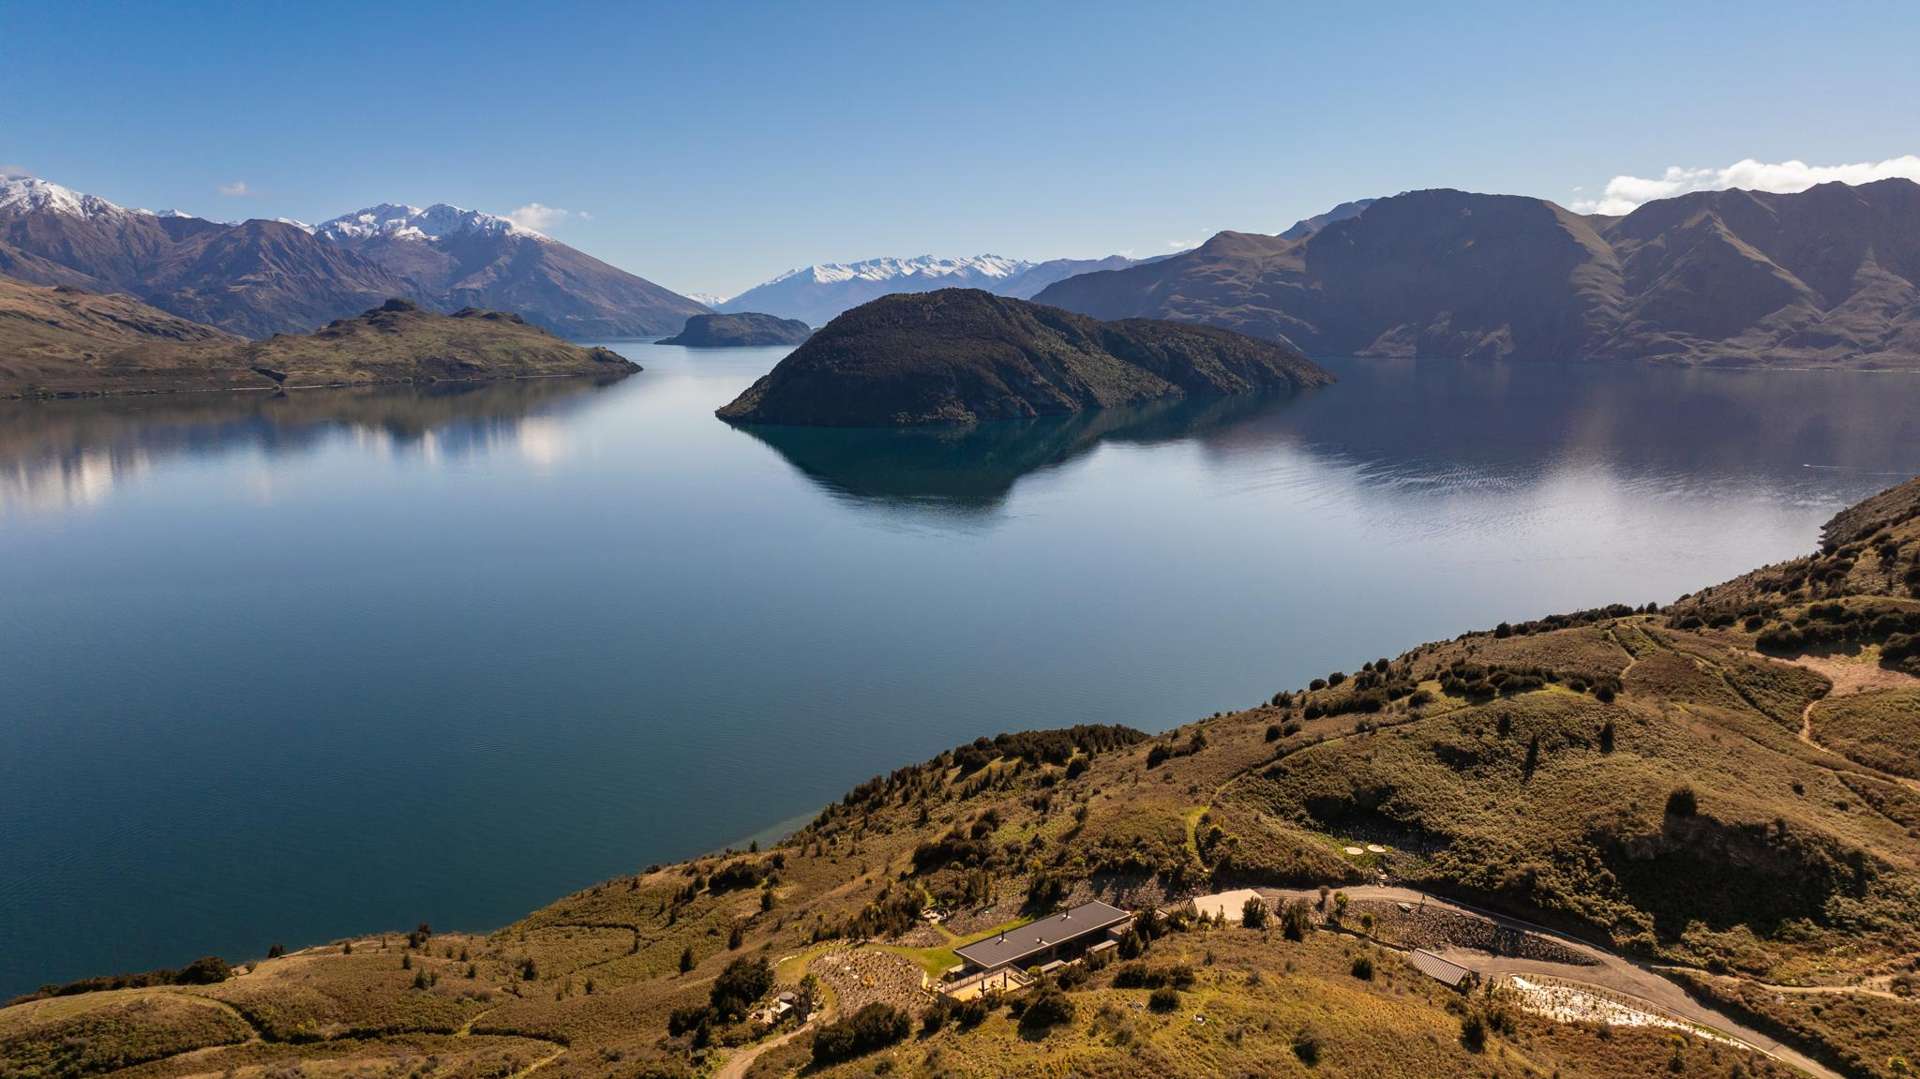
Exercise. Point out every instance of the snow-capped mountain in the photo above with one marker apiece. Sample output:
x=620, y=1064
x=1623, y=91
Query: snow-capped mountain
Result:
x=437, y=222
x=816, y=294
x=259, y=278
x=456, y=258
x=979, y=267
x=30, y=194
x=254, y=278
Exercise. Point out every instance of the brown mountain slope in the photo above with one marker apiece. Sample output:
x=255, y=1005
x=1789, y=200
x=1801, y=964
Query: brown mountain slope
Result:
x=1642, y=780
x=964, y=355
x=1826, y=277
x=65, y=342
x=258, y=278
x=552, y=285
x=253, y=279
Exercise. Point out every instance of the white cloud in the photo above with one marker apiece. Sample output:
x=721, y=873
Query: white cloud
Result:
x=1624, y=193
x=14, y=172
x=540, y=218
x=1179, y=245
x=236, y=189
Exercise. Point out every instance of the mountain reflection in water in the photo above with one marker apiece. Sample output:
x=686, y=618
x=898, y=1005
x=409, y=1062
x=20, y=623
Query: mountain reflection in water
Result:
x=1411, y=423
x=74, y=452
x=971, y=469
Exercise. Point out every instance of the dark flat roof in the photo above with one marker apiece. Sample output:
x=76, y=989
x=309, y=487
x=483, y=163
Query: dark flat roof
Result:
x=1003, y=949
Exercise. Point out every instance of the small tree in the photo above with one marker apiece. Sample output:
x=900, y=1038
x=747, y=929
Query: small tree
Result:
x=744, y=981
x=1164, y=999
x=686, y=959
x=1295, y=919
x=1253, y=913
x=1363, y=967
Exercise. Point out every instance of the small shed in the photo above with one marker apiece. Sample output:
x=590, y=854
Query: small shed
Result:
x=1445, y=971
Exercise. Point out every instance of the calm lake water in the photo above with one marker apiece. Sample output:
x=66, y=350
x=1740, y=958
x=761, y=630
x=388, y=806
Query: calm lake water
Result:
x=277, y=670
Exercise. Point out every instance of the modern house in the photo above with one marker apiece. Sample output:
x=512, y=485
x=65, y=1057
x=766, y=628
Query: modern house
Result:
x=1056, y=937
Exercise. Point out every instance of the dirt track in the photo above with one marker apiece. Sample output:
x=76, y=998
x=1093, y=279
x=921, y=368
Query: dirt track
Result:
x=1609, y=971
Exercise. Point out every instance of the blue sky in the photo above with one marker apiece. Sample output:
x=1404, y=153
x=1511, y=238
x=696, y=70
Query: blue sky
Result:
x=709, y=146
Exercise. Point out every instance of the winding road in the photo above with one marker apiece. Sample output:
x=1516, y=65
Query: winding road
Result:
x=1610, y=971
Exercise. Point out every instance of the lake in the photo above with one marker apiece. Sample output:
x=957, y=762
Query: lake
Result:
x=280, y=669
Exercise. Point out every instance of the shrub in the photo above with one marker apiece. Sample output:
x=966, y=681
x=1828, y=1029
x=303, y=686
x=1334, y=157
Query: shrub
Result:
x=1253, y=914
x=206, y=970
x=681, y=1020
x=1295, y=919
x=1142, y=976
x=875, y=1026
x=1682, y=802
x=686, y=960
x=744, y=981
x=1473, y=1032
x=1273, y=732
x=1048, y=1008
x=1164, y=999
x=1306, y=1045
x=1363, y=967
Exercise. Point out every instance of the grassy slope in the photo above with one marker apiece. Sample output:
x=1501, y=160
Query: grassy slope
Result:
x=1547, y=795
x=63, y=342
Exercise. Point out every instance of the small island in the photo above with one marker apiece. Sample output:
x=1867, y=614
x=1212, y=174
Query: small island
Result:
x=963, y=356
x=742, y=330
x=67, y=342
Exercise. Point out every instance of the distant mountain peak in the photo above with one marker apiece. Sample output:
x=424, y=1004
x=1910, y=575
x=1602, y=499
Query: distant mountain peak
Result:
x=815, y=294
x=404, y=222
x=892, y=268
x=1307, y=226
x=29, y=194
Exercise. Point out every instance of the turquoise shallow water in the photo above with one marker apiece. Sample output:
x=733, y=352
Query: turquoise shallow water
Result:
x=276, y=670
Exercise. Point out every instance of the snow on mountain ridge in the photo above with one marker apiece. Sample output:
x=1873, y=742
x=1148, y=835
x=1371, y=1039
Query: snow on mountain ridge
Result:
x=891, y=268
x=413, y=223
x=27, y=194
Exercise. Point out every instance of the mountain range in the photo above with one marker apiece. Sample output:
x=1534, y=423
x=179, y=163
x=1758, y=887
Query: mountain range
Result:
x=819, y=293
x=1827, y=276
x=257, y=278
